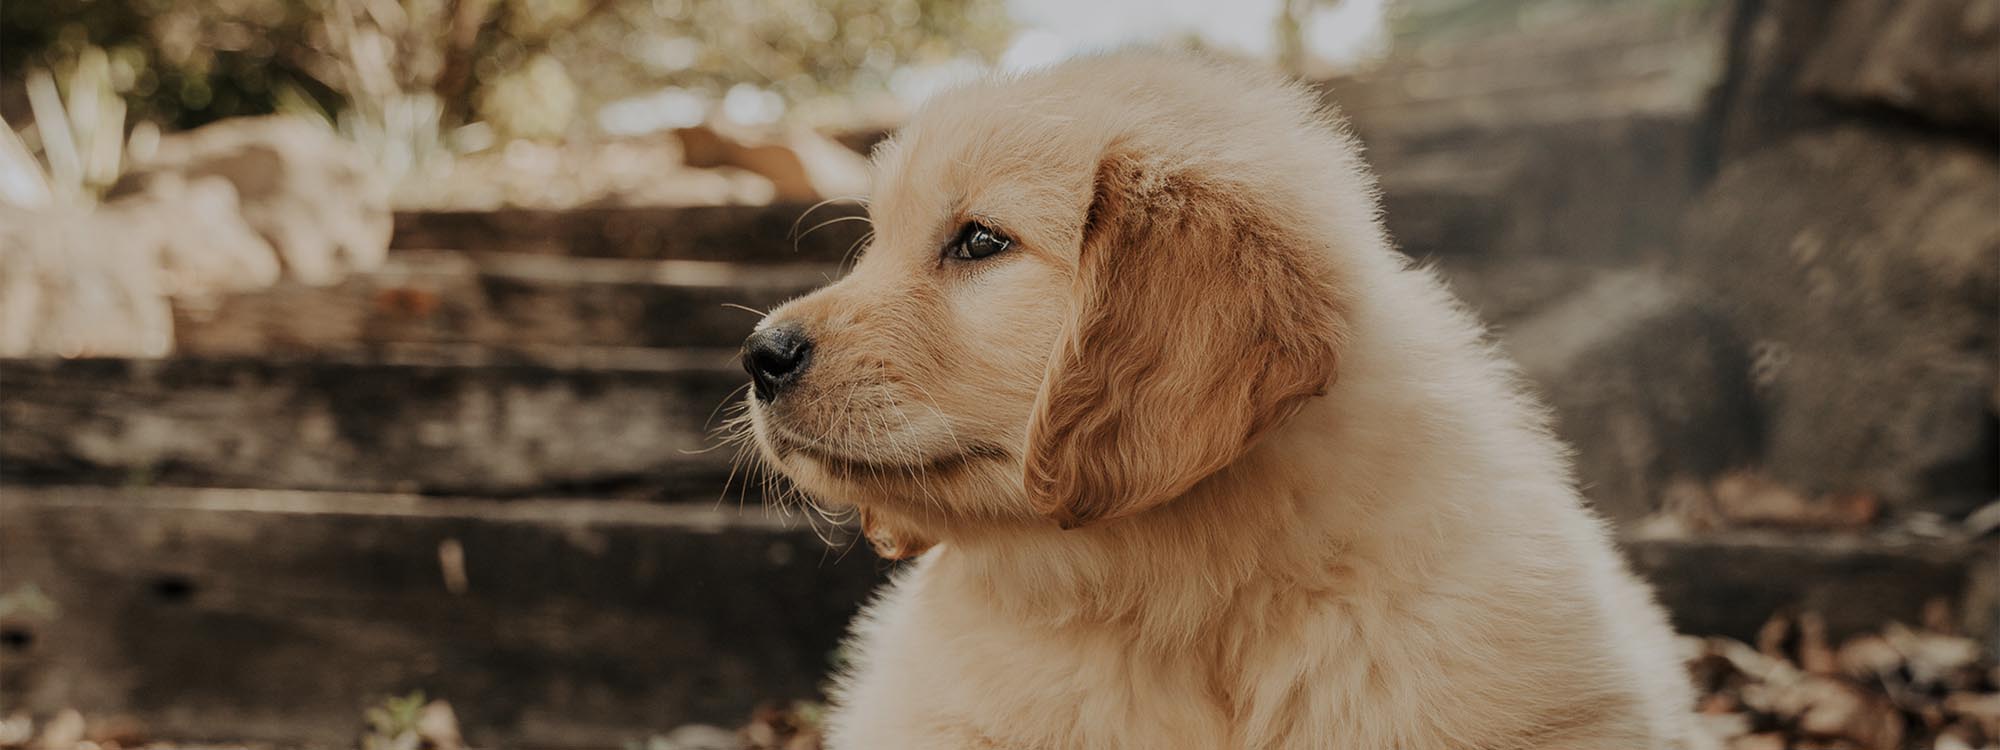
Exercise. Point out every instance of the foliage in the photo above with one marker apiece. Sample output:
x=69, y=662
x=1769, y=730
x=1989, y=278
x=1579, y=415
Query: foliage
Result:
x=178, y=63
x=393, y=724
x=183, y=63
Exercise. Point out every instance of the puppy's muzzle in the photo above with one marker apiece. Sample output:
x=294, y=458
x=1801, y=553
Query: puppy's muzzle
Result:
x=776, y=357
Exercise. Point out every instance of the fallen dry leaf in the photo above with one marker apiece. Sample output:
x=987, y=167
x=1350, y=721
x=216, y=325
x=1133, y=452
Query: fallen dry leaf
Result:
x=1903, y=688
x=1749, y=498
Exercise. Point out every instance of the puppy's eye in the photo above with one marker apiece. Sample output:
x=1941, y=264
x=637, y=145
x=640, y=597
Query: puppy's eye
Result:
x=977, y=241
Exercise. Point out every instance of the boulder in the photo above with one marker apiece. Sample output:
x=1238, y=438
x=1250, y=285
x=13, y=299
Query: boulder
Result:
x=1573, y=140
x=1646, y=382
x=1864, y=269
x=1797, y=65
x=1935, y=59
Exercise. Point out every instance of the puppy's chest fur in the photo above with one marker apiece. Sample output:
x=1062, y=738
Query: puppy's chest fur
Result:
x=1279, y=668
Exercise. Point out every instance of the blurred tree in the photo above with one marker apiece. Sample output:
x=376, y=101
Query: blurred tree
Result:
x=187, y=62
x=177, y=63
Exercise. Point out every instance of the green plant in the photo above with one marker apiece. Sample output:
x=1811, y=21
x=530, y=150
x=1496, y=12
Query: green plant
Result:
x=392, y=724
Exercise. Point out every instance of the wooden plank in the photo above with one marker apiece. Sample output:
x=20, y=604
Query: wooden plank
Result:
x=499, y=300
x=778, y=233
x=277, y=616
x=440, y=420
x=1730, y=582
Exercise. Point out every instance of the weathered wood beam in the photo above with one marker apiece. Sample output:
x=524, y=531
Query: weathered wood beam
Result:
x=559, y=622
x=500, y=300
x=778, y=233
x=421, y=419
x=278, y=616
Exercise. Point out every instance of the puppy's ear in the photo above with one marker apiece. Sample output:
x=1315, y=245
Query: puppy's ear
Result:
x=1200, y=320
x=889, y=541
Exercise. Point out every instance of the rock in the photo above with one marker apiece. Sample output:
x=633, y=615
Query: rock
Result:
x=316, y=199
x=1591, y=191
x=1647, y=384
x=1936, y=59
x=1758, y=101
x=1800, y=65
x=1573, y=140
x=1864, y=269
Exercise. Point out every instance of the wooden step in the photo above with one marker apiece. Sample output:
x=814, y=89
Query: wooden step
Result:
x=501, y=300
x=1730, y=582
x=777, y=233
x=278, y=616
x=417, y=419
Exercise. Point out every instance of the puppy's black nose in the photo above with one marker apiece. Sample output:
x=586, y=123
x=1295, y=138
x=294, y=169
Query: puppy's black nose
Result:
x=775, y=358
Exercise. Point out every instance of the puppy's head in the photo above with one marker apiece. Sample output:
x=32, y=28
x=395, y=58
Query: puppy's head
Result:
x=1087, y=290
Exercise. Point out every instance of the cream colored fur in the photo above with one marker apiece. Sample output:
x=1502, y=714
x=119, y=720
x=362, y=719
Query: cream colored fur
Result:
x=1401, y=563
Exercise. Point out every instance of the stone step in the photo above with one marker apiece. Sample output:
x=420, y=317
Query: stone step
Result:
x=278, y=616
x=406, y=418
x=777, y=233
x=501, y=300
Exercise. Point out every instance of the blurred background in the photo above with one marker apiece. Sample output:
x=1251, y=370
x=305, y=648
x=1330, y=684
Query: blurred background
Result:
x=360, y=360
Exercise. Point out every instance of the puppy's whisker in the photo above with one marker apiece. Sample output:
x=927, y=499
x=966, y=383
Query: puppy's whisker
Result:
x=931, y=402
x=847, y=258
x=798, y=236
x=913, y=467
x=735, y=465
x=846, y=411
x=858, y=199
x=824, y=224
x=748, y=309
x=726, y=402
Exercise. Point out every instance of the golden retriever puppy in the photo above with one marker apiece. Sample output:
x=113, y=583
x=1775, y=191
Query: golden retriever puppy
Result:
x=1193, y=459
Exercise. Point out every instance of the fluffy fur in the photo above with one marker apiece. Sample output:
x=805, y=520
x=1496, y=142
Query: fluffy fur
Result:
x=1199, y=462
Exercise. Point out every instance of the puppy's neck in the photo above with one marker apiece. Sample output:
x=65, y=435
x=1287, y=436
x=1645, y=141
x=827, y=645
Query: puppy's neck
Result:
x=1275, y=519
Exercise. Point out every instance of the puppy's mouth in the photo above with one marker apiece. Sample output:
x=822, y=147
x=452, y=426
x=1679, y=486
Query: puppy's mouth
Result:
x=847, y=466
